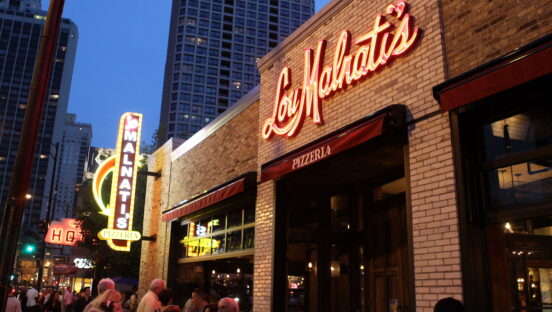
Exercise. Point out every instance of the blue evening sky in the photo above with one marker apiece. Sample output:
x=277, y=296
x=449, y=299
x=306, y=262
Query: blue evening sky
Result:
x=120, y=62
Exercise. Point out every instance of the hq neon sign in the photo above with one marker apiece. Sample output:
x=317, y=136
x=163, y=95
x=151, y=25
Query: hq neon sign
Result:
x=124, y=165
x=384, y=42
x=64, y=232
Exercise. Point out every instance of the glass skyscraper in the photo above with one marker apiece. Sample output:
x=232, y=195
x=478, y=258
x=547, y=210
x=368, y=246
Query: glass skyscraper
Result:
x=211, y=55
x=21, y=23
x=74, y=148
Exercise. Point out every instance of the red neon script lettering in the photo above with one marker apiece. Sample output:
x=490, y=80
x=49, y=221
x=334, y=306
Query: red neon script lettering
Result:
x=375, y=49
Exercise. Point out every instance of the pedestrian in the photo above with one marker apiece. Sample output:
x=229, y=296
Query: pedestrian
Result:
x=32, y=300
x=228, y=305
x=108, y=300
x=150, y=302
x=53, y=303
x=68, y=299
x=111, y=301
x=133, y=300
x=448, y=305
x=83, y=300
x=166, y=297
x=104, y=285
x=13, y=305
x=198, y=302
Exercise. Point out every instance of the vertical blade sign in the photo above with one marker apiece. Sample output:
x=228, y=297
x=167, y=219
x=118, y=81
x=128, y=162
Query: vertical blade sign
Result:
x=119, y=232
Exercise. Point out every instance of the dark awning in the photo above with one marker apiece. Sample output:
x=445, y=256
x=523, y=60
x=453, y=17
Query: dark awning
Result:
x=210, y=198
x=336, y=142
x=522, y=65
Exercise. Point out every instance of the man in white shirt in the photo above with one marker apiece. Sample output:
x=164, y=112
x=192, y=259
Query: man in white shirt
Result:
x=151, y=302
x=32, y=295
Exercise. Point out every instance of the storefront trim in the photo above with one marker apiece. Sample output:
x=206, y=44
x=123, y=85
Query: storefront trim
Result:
x=234, y=254
x=330, y=145
x=520, y=66
x=209, y=199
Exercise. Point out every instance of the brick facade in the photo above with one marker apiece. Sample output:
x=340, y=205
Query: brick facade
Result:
x=473, y=32
x=407, y=80
x=226, y=154
x=481, y=30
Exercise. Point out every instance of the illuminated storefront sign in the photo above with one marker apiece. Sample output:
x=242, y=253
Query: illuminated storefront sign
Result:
x=124, y=165
x=83, y=263
x=64, y=232
x=384, y=42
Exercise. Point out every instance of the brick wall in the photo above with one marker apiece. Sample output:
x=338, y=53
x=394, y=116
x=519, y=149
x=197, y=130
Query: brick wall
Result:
x=228, y=153
x=407, y=80
x=151, y=260
x=478, y=31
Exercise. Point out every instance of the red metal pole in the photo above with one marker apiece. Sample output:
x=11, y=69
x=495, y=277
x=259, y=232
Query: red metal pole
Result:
x=15, y=203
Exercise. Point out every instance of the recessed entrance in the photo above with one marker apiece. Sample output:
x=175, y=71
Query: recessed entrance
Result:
x=341, y=231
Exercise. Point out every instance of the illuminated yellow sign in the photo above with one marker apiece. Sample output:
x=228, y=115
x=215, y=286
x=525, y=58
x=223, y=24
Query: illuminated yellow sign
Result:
x=106, y=234
x=124, y=165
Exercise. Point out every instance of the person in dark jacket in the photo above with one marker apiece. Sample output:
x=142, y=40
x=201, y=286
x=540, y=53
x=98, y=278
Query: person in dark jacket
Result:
x=448, y=305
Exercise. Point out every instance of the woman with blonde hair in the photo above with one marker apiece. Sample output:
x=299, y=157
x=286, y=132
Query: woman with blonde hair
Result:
x=108, y=301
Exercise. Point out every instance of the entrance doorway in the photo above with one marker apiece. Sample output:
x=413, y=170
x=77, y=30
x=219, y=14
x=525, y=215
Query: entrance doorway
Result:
x=342, y=240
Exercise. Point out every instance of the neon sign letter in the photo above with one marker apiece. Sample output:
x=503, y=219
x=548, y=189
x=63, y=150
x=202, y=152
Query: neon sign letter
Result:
x=375, y=49
x=124, y=165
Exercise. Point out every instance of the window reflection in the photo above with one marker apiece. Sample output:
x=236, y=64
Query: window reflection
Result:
x=217, y=234
x=529, y=261
x=523, y=132
x=523, y=182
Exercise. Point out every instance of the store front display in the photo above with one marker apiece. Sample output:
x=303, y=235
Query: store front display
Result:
x=212, y=248
x=376, y=181
x=505, y=143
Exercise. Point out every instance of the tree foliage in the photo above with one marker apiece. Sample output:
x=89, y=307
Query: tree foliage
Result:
x=108, y=262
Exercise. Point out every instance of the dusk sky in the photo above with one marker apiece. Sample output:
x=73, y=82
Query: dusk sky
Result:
x=120, y=62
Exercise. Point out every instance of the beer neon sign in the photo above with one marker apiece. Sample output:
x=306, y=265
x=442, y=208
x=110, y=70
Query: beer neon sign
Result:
x=64, y=232
x=376, y=48
x=124, y=165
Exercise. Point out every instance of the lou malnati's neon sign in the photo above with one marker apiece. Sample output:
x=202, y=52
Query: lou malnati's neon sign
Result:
x=376, y=48
x=124, y=165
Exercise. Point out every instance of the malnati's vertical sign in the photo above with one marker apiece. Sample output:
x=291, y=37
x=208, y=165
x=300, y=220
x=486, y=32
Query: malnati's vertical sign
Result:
x=124, y=165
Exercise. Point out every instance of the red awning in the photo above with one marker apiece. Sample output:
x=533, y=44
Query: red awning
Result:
x=333, y=145
x=519, y=67
x=204, y=201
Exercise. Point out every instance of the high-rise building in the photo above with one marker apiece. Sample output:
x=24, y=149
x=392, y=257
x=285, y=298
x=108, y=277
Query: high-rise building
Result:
x=21, y=24
x=211, y=55
x=74, y=149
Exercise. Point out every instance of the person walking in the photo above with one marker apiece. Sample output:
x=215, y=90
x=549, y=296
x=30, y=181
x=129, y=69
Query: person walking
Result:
x=228, y=305
x=83, y=300
x=68, y=299
x=103, y=285
x=150, y=302
x=13, y=305
x=32, y=297
x=448, y=305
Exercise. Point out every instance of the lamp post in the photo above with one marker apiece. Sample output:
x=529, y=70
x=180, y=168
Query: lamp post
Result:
x=22, y=169
x=48, y=214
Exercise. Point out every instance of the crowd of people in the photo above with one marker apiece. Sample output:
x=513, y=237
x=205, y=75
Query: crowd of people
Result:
x=157, y=299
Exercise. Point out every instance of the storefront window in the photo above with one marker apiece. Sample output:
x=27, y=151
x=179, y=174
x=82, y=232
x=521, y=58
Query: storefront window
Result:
x=517, y=167
x=506, y=195
x=518, y=133
x=218, y=234
x=527, y=259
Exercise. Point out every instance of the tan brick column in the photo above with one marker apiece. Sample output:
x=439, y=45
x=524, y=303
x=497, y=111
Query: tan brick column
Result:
x=264, y=247
x=437, y=266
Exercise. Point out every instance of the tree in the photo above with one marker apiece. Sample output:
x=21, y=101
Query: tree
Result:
x=108, y=262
